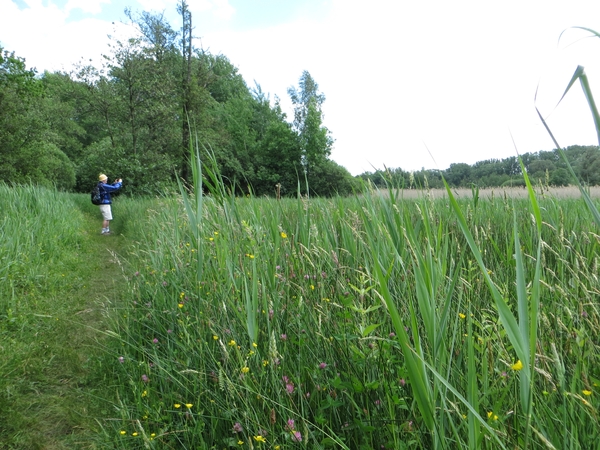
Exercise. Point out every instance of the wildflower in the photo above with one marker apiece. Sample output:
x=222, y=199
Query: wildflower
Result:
x=492, y=416
x=586, y=392
x=123, y=432
x=392, y=334
x=155, y=341
x=231, y=343
x=164, y=283
x=322, y=365
x=189, y=405
x=462, y=316
x=180, y=305
x=152, y=435
x=237, y=428
x=215, y=337
x=402, y=382
x=182, y=295
x=134, y=433
x=145, y=378
x=240, y=442
x=289, y=387
x=265, y=363
x=312, y=286
x=283, y=337
x=145, y=394
x=283, y=235
x=290, y=424
x=121, y=359
x=254, y=344
x=169, y=331
x=259, y=438
x=177, y=405
x=517, y=366
x=297, y=436
x=245, y=369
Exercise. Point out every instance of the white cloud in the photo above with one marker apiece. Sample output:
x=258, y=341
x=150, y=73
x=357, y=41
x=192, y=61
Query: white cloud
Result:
x=88, y=6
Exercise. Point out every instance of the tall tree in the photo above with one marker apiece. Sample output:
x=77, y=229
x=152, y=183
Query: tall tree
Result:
x=315, y=139
x=186, y=78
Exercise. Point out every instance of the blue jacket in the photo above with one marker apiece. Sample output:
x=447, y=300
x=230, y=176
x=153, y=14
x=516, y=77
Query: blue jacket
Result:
x=106, y=189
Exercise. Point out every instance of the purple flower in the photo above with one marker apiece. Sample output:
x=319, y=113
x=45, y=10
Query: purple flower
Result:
x=402, y=381
x=237, y=427
x=289, y=387
x=277, y=267
x=137, y=274
x=290, y=424
x=322, y=365
x=169, y=331
x=297, y=436
x=155, y=341
x=283, y=337
x=164, y=283
x=121, y=359
x=145, y=378
x=377, y=402
x=392, y=334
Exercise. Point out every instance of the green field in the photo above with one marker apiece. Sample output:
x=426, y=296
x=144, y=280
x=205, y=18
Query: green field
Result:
x=370, y=322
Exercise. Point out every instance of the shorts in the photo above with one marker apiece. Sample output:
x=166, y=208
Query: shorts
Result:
x=106, y=212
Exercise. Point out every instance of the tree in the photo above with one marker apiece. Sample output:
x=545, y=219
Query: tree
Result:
x=315, y=139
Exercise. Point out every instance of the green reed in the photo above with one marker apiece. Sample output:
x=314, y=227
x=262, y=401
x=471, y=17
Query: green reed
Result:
x=369, y=322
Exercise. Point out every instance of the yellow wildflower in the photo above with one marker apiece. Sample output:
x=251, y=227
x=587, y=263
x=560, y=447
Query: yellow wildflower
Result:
x=189, y=405
x=283, y=235
x=461, y=315
x=134, y=433
x=177, y=405
x=240, y=442
x=254, y=344
x=259, y=438
x=215, y=337
x=231, y=343
x=517, y=366
x=586, y=392
x=123, y=432
x=245, y=369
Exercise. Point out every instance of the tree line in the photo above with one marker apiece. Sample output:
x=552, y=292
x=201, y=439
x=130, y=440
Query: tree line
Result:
x=545, y=167
x=137, y=115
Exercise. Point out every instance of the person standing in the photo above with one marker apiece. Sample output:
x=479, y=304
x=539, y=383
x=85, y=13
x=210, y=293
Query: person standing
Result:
x=105, y=208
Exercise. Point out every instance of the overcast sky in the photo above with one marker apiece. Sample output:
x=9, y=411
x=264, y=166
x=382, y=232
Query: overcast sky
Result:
x=408, y=84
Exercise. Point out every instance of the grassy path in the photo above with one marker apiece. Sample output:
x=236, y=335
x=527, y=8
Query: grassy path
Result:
x=54, y=367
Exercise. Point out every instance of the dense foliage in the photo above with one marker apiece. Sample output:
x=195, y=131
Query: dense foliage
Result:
x=133, y=118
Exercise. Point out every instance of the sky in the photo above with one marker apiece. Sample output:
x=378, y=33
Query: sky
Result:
x=409, y=84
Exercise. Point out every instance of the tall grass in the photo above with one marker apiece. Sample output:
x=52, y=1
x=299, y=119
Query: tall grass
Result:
x=368, y=322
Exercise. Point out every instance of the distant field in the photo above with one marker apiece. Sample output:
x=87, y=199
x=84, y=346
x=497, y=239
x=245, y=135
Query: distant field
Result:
x=511, y=192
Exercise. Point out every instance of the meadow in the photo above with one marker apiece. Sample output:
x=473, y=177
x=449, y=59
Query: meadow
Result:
x=370, y=322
